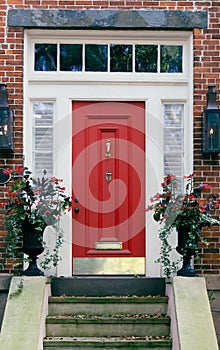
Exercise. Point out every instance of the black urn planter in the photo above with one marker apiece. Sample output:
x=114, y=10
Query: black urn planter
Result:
x=187, y=253
x=32, y=246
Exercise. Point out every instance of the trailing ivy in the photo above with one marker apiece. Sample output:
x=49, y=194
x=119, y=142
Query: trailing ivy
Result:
x=40, y=202
x=183, y=214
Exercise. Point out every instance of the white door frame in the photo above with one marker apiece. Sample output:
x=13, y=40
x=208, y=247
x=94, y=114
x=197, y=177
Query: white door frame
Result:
x=62, y=91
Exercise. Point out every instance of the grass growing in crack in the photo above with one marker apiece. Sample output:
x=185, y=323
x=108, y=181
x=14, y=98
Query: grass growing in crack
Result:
x=18, y=290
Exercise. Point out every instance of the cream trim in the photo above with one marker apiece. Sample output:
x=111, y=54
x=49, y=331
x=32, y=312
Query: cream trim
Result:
x=65, y=89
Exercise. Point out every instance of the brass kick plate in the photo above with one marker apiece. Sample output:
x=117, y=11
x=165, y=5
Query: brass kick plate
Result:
x=108, y=245
x=108, y=266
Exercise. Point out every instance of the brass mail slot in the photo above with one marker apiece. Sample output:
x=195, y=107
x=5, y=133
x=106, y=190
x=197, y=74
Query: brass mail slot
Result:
x=108, y=245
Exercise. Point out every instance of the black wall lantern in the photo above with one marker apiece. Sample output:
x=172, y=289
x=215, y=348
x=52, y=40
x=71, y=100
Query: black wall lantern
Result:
x=6, y=122
x=211, y=126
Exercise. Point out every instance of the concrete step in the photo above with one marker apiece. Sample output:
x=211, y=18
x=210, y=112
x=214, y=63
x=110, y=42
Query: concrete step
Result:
x=105, y=326
x=107, y=305
x=98, y=320
x=133, y=343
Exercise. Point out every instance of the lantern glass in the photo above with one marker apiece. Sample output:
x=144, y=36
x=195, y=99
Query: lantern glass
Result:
x=211, y=131
x=6, y=120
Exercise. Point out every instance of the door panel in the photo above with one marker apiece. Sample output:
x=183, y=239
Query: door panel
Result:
x=108, y=171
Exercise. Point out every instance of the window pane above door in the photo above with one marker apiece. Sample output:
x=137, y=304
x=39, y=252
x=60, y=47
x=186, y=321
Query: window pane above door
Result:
x=96, y=58
x=45, y=57
x=111, y=58
x=171, y=59
x=71, y=57
x=120, y=58
x=146, y=58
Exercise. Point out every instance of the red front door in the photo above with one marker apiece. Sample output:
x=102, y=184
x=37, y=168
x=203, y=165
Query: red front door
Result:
x=108, y=172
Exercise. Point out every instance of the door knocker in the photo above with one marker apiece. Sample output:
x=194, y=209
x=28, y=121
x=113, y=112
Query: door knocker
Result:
x=108, y=148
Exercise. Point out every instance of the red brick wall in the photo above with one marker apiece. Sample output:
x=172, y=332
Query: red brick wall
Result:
x=206, y=72
x=206, y=167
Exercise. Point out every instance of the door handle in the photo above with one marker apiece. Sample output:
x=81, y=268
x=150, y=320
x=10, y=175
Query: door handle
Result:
x=108, y=148
x=76, y=209
x=108, y=176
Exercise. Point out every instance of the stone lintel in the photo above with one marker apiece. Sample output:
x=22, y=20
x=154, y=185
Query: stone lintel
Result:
x=107, y=19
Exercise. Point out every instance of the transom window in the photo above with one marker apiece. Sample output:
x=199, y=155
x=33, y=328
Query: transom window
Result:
x=111, y=57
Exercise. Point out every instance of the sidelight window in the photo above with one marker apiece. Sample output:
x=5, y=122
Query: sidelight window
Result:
x=43, y=140
x=173, y=137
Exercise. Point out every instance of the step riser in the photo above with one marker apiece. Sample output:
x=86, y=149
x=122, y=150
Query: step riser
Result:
x=107, y=344
x=106, y=309
x=98, y=330
x=105, y=286
x=105, y=330
x=134, y=346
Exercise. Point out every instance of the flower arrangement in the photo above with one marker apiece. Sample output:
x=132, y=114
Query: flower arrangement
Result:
x=178, y=212
x=41, y=202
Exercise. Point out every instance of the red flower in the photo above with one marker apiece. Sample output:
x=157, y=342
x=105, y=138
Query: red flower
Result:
x=19, y=169
x=192, y=197
x=12, y=194
x=62, y=188
x=7, y=171
x=56, y=180
x=148, y=208
x=189, y=176
x=169, y=178
x=205, y=186
x=36, y=192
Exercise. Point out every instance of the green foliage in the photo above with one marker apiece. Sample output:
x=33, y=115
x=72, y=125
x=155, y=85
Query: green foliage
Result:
x=169, y=267
x=18, y=290
x=53, y=257
x=40, y=202
x=185, y=214
x=211, y=295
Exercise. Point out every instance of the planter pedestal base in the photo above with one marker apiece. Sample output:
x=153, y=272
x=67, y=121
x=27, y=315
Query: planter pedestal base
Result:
x=33, y=269
x=32, y=247
x=186, y=269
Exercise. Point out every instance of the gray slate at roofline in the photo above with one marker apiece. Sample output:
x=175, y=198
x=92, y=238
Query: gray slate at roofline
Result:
x=107, y=19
